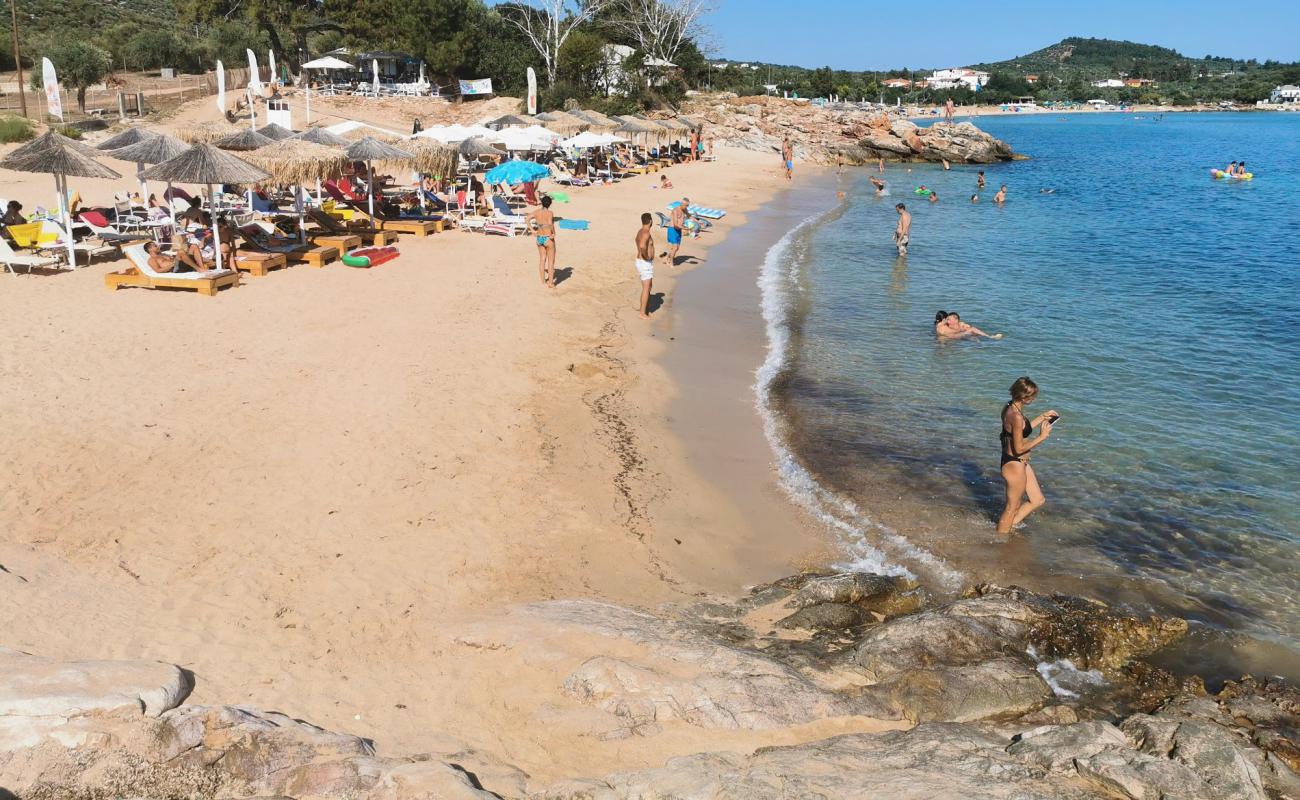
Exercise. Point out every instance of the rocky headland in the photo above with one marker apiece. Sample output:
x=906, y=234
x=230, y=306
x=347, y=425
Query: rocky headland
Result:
x=843, y=134
x=1001, y=693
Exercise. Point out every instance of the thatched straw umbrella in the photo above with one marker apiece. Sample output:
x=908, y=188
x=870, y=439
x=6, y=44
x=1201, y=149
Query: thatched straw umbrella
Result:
x=431, y=157
x=126, y=138
x=322, y=136
x=509, y=121
x=598, y=121
x=295, y=161
x=694, y=123
x=205, y=132
x=276, y=132
x=633, y=126
x=243, y=140
x=370, y=150
x=563, y=123
x=207, y=165
x=54, y=154
x=154, y=149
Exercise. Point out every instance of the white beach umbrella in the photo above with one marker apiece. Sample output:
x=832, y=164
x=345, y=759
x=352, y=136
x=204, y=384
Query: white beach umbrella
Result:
x=586, y=139
x=327, y=62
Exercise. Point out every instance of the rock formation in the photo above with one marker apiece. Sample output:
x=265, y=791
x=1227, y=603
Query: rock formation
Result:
x=991, y=688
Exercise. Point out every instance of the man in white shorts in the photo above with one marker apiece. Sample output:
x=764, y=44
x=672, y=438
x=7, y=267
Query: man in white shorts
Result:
x=645, y=261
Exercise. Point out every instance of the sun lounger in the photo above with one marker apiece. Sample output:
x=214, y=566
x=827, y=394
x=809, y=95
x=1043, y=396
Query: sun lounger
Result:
x=139, y=274
x=12, y=259
x=332, y=226
x=257, y=239
x=420, y=228
x=259, y=264
x=107, y=233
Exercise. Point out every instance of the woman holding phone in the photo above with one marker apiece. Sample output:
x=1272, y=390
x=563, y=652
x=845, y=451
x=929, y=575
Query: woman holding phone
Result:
x=1016, y=444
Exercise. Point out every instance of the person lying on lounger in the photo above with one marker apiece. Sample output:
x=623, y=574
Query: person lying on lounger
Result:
x=185, y=260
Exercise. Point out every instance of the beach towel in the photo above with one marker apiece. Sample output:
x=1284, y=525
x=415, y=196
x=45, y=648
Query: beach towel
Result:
x=573, y=224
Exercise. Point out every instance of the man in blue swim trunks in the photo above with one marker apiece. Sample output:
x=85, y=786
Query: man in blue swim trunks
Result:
x=787, y=156
x=542, y=221
x=675, y=225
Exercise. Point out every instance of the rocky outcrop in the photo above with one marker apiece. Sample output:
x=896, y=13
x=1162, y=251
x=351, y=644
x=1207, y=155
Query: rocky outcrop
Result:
x=846, y=134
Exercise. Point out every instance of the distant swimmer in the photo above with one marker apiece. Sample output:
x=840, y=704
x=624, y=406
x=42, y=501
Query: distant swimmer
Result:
x=1047, y=191
x=946, y=167
x=903, y=233
x=1232, y=169
x=1001, y=196
x=974, y=198
x=1241, y=169
x=948, y=325
x=879, y=184
x=880, y=165
x=934, y=197
x=1016, y=444
x=979, y=180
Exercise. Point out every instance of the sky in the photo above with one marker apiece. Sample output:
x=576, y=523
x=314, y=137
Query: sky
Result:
x=861, y=35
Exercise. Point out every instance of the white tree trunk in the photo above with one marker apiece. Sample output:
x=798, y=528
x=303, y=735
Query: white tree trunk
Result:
x=548, y=23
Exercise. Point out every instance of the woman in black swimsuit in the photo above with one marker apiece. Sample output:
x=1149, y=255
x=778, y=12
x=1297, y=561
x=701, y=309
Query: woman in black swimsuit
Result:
x=1016, y=444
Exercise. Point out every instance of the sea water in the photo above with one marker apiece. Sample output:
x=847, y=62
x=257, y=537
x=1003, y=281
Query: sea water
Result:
x=1157, y=309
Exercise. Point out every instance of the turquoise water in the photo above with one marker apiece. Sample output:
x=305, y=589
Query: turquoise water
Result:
x=1158, y=310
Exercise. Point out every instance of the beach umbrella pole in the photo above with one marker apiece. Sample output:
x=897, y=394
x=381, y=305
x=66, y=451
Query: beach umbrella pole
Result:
x=297, y=202
x=61, y=183
x=216, y=233
x=370, y=179
x=144, y=185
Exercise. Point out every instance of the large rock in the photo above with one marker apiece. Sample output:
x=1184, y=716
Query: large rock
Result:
x=929, y=762
x=39, y=696
x=872, y=592
x=1094, y=636
x=927, y=640
x=1222, y=758
x=1001, y=689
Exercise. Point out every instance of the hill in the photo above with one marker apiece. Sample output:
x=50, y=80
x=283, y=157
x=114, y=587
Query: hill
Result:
x=1078, y=54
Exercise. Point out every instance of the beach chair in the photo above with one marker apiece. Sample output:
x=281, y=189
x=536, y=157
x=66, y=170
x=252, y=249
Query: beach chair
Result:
x=139, y=274
x=107, y=233
x=564, y=177
x=258, y=240
x=54, y=237
x=503, y=214
x=419, y=227
x=330, y=226
x=12, y=259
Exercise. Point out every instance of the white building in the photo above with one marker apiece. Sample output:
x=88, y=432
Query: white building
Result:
x=1285, y=94
x=614, y=81
x=958, y=78
x=1109, y=83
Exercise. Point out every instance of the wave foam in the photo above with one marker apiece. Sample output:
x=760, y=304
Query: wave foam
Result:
x=869, y=546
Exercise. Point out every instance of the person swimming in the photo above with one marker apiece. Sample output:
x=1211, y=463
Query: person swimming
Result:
x=974, y=198
x=878, y=183
x=948, y=325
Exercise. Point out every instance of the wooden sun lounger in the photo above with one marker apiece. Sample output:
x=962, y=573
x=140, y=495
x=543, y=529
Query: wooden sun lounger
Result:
x=133, y=277
x=339, y=226
x=420, y=228
x=312, y=256
x=260, y=264
x=342, y=242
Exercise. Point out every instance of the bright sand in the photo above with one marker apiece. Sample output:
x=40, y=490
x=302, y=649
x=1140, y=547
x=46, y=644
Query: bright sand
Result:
x=303, y=488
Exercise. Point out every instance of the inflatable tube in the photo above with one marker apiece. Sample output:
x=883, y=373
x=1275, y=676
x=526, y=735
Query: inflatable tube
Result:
x=355, y=261
x=369, y=256
x=1219, y=174
x=921, y=190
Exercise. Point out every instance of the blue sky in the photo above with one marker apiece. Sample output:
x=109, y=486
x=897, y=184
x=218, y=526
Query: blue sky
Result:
x=863, y=35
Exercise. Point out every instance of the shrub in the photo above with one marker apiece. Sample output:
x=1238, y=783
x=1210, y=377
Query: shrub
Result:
x=70, y=131
x=15, y=129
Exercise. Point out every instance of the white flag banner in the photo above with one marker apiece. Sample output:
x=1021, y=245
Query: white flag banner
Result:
x=221, y=87
x=374, y=66
x=254, y=80
x=52, y=100
x=532, y=92
x=271, y=55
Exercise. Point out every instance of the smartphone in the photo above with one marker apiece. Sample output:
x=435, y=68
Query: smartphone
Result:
x=1053, y=419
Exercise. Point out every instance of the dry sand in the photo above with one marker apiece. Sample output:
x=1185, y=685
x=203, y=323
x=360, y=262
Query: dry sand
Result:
x=302, y=488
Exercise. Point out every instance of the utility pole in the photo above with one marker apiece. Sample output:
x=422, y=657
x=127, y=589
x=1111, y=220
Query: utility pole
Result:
x=18, y=58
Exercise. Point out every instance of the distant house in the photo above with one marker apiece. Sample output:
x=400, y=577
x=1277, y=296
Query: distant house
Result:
x=1031, y=79
x=1138, y=83
x=391, y=65
x=1285, y=94
x=896, y=83
x=1109, y=83
x=770, y=88
x=958, y=78
x=614, y=80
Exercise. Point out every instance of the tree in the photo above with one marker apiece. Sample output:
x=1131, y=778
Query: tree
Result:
x=660, y=28
x=79, y=65
x=822, y=82
x=583, y=62
x=548, y=23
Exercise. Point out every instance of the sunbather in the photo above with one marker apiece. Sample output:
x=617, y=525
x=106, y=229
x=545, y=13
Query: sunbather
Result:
x=184, y=260
x=14, y=214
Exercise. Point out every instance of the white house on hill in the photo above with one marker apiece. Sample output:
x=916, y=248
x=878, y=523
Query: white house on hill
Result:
x=615, y=78
x=1285, y=94
x=958, y=78
x=1109, y=83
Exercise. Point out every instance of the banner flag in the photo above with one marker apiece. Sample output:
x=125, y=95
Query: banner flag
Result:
x=51, y=78
x=254, y=80
x=221, y=87
x=374, y=66
x=478, y=87
x=532, y=92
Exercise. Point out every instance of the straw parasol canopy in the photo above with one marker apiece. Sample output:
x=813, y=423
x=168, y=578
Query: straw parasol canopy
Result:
x=155, y=149
x=597, y=120
x=564, y=123
x=509, y=121
x=476, y=146
x=243, y=140
x=294, y=161
x=276, y=132
x=695, y=124
x=205, y=132
x=371, y=149
x=672, y=124
x=126, y=138
x=322, y=136
x=53, y=153
x=205, y=164
x=432, y=157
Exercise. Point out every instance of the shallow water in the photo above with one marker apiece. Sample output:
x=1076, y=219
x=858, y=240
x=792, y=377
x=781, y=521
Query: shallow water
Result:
x=1154, y=307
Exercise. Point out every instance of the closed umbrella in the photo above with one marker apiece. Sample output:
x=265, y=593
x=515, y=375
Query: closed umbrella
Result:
x=55, y=154
x=431, y=157
x=207, y=165
x=370, y=150
x=516, y=172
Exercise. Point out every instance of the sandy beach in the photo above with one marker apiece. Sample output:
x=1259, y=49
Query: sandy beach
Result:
x=303, y=489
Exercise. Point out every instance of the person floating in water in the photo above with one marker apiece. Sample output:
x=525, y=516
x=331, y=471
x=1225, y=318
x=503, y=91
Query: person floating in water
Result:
x=1016, y=444
x=903, y=233
x=1241, y=169
x=934, y=197
x=878, y=183
x=946, y=167
x=1232, y=169
x=948, y=325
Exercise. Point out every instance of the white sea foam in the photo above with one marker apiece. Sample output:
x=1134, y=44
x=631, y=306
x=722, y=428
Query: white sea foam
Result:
x=869, y=546
x=1064, y=678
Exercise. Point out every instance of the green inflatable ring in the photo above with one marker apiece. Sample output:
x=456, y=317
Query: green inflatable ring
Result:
x=355, y=261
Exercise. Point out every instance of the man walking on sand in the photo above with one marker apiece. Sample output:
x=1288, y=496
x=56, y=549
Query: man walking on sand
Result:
x=787, y=157
x=645, y=261
x=903, y=232
x=675, y=225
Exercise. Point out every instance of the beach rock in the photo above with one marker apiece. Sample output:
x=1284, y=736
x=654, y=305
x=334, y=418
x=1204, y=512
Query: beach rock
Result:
x=40, y=696
x=1004, y=688
x=1220, y=757
x=1142, y=777
x=928, y=639
x=928, y=762
x=872, y=592
x=1094, y=637
x=1057, y=747
x=826, y=616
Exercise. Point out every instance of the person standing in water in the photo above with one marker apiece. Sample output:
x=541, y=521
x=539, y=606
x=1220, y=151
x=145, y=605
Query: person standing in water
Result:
x=903, y=233
x=880, y=165
x=645, y=261
x=1001, y=196
x=542, y=222
x=1016, y=444
x=979, y=180
x=787, y=156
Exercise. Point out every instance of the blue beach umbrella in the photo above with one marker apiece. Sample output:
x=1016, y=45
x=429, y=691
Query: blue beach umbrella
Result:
x=515, y=172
